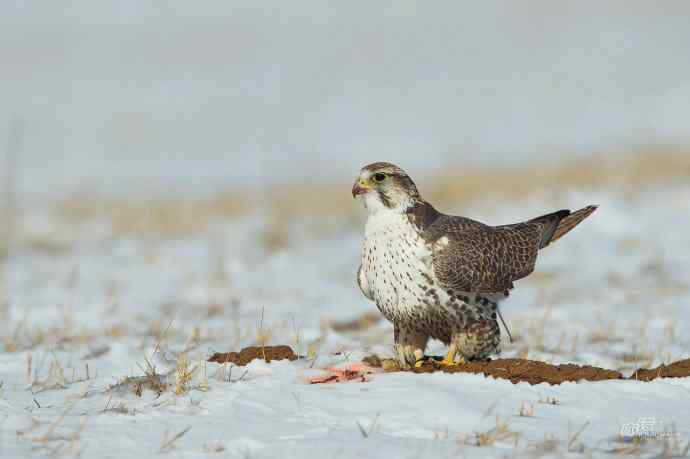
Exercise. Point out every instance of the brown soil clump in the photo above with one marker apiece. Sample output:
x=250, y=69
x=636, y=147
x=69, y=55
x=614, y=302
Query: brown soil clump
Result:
x=677, y=369
x=373, y=361
x=514, y=370
x=529, y=371
x=535, y=372
x=250, y=353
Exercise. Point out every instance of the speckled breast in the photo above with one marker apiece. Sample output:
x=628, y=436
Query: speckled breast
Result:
x=397, y=263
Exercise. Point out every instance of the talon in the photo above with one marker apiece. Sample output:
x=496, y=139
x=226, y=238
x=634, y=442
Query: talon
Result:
x=450, y=357
x=419, y=358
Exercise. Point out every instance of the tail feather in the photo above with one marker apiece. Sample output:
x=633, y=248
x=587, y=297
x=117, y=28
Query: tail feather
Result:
x=549, y=224
x=568, y=222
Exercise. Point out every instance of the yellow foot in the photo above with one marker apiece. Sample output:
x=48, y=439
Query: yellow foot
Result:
x=446, y=363
x=419, y=359
x=450, y=358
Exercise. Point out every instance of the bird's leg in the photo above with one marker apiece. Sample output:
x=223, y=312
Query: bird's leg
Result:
x=478, y=340
x=409, y=346
x=409, y=355
x=450, y=357
x=419, y=358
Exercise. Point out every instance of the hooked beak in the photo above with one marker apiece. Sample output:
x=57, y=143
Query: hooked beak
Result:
x=359, y=188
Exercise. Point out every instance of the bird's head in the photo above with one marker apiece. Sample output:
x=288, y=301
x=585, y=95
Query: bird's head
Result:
x=385, y=186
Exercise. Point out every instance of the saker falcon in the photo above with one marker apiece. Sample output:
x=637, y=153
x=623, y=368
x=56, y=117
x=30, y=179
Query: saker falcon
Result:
x=441, y=276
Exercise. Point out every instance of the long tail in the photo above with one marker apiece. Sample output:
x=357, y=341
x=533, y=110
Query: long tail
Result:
x=557, y=224
x=571, y=221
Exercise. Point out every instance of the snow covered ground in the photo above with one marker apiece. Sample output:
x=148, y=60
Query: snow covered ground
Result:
x=88, y=303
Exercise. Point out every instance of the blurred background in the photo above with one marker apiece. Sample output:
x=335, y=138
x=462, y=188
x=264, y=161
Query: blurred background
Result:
x=192, y=163
x=162, y=96
x=175, y=180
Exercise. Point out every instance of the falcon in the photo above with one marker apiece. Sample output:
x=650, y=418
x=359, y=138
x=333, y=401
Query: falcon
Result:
x=442, y=276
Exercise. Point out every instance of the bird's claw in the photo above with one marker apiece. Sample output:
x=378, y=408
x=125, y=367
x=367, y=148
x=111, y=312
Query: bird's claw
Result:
x=419, y=358
x=450, y=362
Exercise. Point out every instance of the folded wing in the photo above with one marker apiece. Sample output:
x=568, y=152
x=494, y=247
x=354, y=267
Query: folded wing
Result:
x=488, y=259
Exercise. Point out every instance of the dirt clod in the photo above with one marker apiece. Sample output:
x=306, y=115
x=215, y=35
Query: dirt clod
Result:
x=535, y=372
x=514, y=370
x=250, y=353
x=372, y=361
x=530, y=371
x=677, y=369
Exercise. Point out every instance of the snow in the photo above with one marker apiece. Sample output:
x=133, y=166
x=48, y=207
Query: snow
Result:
x=613, y=293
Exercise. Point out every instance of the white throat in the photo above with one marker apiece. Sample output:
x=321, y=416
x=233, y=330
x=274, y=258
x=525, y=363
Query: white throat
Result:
x=382, y=219
x=374, y=205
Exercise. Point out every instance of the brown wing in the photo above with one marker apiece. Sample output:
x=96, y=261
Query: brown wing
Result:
x=486, y=259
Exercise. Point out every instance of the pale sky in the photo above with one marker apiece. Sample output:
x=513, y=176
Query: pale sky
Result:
x=187, y=94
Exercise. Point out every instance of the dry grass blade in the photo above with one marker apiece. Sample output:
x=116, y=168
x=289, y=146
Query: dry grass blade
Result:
x=549, y=445
x=53, y=443
x=224, y=373
x=161, y=338
x=169, y=443
x=633, y=448
x=573, y=438
x=498, y=433
x=489, y=409
x=367, y=433
x=526, y=410
x=54, y=380
x=184, y=374
x=550, y=401
x=150, y=380
x=263, y=335
x=213, y=447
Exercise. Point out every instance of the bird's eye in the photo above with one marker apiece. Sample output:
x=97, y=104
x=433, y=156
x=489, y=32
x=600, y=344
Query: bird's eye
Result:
x=379, y=177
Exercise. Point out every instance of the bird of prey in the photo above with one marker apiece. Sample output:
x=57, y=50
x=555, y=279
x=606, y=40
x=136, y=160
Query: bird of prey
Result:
x=441, y=276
